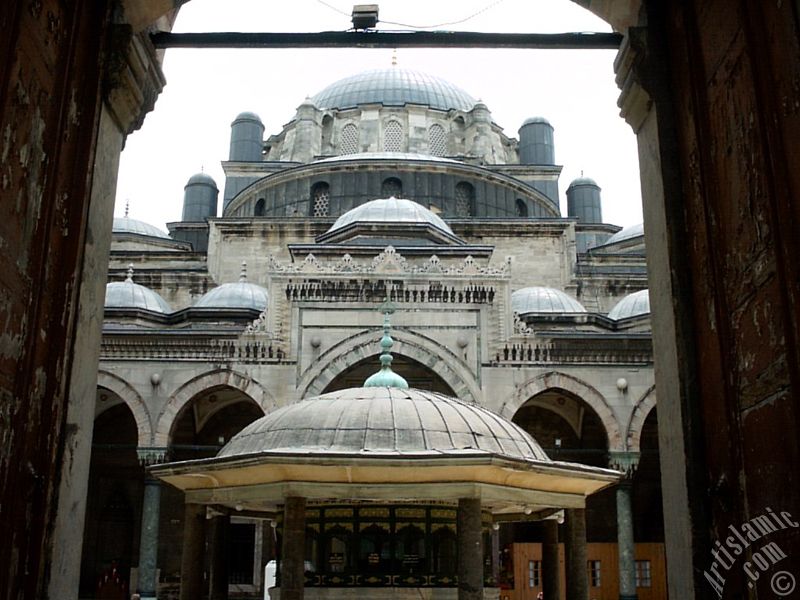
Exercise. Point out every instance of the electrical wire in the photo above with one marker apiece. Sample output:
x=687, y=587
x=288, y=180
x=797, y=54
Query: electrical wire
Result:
x=458, y=22
x=333, y=8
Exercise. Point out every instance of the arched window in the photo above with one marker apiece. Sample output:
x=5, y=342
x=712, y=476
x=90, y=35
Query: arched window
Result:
x=320, y=199
x=465, y=199
x=260, y=208
x=348, y=144
x=392, y=186
x=522, y=208
x=437, y=140
x=393, y=137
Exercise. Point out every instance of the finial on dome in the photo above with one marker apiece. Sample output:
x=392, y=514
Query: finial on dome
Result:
x=130, y=273
x=386, y=377
x=394, y=57
x=127, y=207
x=243, y=272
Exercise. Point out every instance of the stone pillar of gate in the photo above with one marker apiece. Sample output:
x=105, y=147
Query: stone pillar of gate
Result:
x=575, y=554
x=218, y=546
x=192, y=559
x=293, y=547
x=148, y=542
x=470, y=549
x=551, y=569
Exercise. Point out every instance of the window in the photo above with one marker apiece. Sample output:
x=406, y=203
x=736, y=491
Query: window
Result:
x=465, y=199
x=594, y=573
x=241, y=552
x=643, y=578
x=522, y=208
x=392, y=186
x=393, y=137
x=259, y=209
x=348, y=144
x=320, y=199
x=437, y=140
x=534, y=574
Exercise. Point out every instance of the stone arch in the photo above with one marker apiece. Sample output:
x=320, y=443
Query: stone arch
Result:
x=141, y=414
x=580, y=389
x=639, y=415
x=454, y=371
x=218, y=378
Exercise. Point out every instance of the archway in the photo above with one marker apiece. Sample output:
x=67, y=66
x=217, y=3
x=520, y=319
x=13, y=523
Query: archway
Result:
x=415, y=373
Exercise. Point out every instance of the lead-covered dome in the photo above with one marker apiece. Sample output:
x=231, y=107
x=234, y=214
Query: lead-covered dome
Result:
x=239, y=294
x=632, y=305
x=535, y=300
x=128, y=225
x=390, y=210
x=380, y=421
x=127, y=294
x=626, y=233
x=393, y=87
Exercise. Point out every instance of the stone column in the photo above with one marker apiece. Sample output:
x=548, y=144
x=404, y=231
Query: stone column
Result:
x=575, y=554
x=551, y=569
x=193, y=549
x=625, y=543
x=470, y=550
x=293, y=549
x=148, y=545
x=495, y=553
x=218, y=542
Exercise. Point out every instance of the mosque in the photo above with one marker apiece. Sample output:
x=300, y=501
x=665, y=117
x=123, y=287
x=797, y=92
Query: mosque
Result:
x=523, y=335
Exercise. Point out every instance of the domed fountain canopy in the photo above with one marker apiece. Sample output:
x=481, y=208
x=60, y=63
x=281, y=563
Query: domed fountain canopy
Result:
x=390, y=210
x=127, y=294
x=393, y=86
x=632, y=305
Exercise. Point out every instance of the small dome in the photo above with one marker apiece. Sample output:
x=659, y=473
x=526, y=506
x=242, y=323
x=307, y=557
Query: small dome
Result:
x=393, y=87
x=632, y=305
x=381, y=421
x=532, y=300
x=626, y=233
x=583, y=181
x=127, y=294
x=201, y=178
x=390, y=210
x=240, y=294
x=128, y=225
x=247, y=116
x=536, y=121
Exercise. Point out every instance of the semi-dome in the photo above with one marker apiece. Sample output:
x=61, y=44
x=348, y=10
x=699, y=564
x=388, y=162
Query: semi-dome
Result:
x=393, y=87
x=240, y=294
x=532, y=300
x=128, y=225
x=127, y=294
x=626, y=233
x=390, y=210
x=381, y=421
x=632, y=305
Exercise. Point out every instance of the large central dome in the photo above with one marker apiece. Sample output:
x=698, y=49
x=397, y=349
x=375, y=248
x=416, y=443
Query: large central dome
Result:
x=393, y=87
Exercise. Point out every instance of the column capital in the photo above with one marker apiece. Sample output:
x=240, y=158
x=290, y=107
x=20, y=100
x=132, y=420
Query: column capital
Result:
x=634, y=101
x=627, y=462
x=151, y=455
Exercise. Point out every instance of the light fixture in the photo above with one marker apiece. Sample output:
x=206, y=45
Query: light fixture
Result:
x=365, y=16
x=558, y=442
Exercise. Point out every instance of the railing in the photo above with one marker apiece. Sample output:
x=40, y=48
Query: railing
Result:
x=550, y=353
x=245, y=349
x=379, y=291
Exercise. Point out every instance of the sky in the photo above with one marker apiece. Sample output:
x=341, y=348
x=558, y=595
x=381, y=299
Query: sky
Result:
x=189, y=130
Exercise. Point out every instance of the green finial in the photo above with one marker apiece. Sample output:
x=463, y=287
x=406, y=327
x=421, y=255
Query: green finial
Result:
x=386, y=377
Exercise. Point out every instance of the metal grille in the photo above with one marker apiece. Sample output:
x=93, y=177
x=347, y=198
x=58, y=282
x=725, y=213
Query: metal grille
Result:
x=349, y=141
x=322, y=200
x=393, y=137
x=437, y=140
x=465, y=196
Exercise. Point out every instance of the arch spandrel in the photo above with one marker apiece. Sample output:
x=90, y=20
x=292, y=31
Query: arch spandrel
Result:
x=581, y=390
x=181, y=397
x=132, y=398
x=639, y=415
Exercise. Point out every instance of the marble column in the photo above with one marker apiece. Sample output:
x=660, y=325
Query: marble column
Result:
x=293, y=549
x=575, y=554
x=551, y=569
x=148, y=541
x=194, y=541
x=470, y=550
x=218, y=546
x=625, y=543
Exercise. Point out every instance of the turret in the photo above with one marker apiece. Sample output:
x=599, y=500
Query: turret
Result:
x=536, y=142
x=247, y=134
x=583, y=201
x=199, y=198
x=307, y=133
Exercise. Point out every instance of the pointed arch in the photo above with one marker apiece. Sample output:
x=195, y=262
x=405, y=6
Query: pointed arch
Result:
x=212, y=379
x=454, y=371
x=582, y=390
x=639, y=415
x=132, y=398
